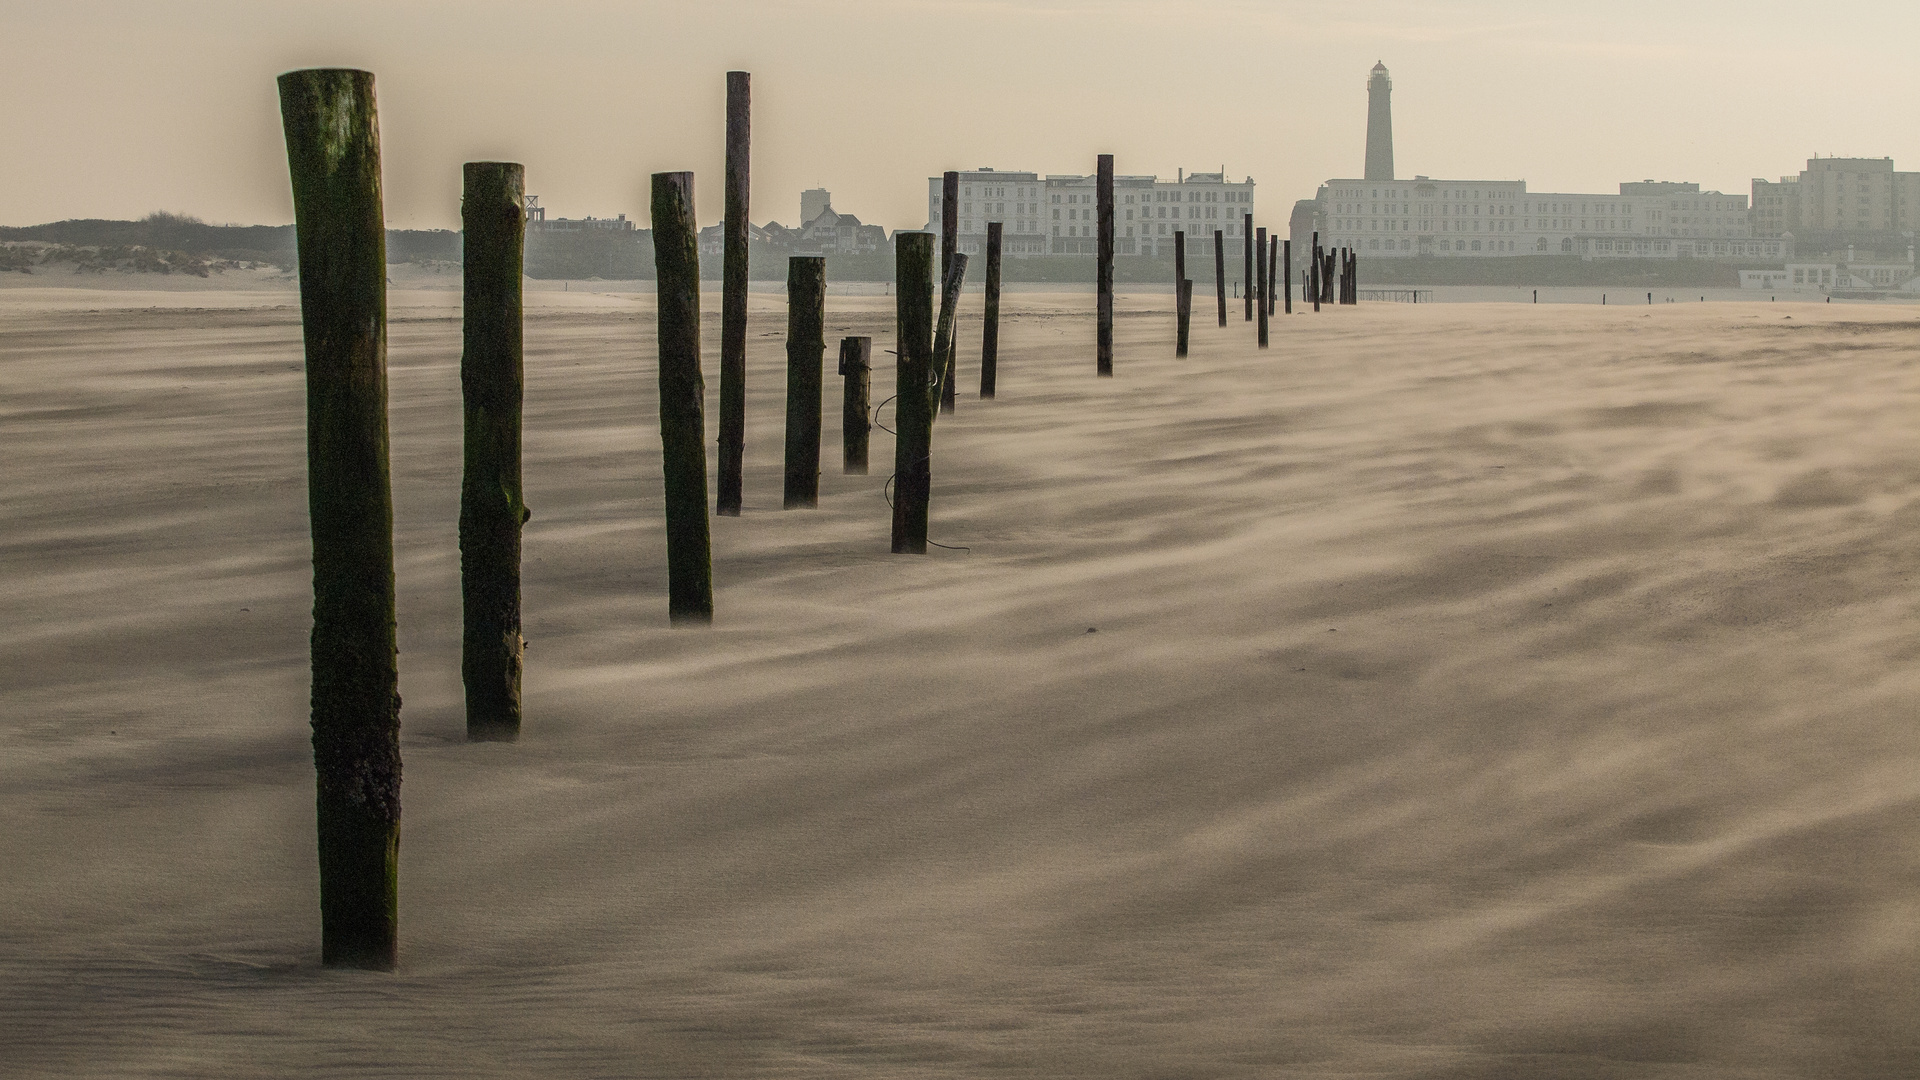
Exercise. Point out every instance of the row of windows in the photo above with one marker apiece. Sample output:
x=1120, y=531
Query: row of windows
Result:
x=1147, y=230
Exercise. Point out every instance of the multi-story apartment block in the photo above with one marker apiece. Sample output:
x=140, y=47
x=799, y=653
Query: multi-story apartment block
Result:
x=1060, y=217
x=1838, y=195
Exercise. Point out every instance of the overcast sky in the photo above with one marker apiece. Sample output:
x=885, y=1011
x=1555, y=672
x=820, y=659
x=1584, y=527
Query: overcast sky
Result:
x=113, y=108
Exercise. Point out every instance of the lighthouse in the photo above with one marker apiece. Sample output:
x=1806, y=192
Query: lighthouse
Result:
x=1379, y=125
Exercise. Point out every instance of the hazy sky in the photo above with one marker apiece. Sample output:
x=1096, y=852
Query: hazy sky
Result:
x=113, y=108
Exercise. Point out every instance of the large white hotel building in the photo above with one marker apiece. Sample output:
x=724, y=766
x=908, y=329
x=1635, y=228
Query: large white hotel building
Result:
x=1055, y=215
x=1492, y=218
x=1381, y=215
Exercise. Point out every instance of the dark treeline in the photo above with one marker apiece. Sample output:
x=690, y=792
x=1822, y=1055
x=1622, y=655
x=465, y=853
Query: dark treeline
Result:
x=240, y=243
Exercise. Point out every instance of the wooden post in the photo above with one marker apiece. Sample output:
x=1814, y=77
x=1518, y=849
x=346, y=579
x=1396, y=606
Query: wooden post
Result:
x=1246, y=228
x=1220, y=272
x=1103, y=272
x=856, y=363
x=1179, y=292
x=947, y=327
x=1185, y=292
x=1273, y=273
x=990, y=329
x=1261, y=263
x=806, y=343
x=1286, y=273
x=912, y=418
x=1313, y=271
x=333, y=156
x=683, y=437
x=733, y=299
x=492, y=509
x=946, y=362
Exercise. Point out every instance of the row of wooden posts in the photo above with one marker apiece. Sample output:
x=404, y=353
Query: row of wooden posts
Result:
x=333, y=155
x=1333, y=277
x=331, y=127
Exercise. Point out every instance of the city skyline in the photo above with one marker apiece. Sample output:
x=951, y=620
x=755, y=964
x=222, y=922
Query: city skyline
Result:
x=123, y=110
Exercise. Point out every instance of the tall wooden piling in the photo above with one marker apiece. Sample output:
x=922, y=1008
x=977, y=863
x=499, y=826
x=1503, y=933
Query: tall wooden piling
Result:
x=947, y=326
x=733, y=299
x=683, y=450
x=1180, y=312
x=1260, y=267
x=913, y=409
x=1246, y=231
x=1286, y=274
x=806, y=344
x=1185, y=296
x=1273, y=273
x=333, y=157
x=856, y=365
x=1103, y=272
x=990, y=329
x=1220, y=272
x=947, y=362
x=492, y=510
x=1313, y=270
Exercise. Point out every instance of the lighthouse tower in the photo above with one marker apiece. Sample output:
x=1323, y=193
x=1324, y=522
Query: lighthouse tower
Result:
x=1379, y=125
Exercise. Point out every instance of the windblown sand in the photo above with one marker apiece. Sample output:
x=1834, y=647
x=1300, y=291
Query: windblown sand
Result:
x=1449, y=691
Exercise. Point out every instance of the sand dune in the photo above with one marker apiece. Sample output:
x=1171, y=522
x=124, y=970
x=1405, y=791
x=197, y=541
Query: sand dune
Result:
x=1448, y=691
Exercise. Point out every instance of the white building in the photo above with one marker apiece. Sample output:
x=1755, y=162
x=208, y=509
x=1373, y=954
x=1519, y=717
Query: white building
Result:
x=1058, y=215
x=1496, y=218
x=1012, y=198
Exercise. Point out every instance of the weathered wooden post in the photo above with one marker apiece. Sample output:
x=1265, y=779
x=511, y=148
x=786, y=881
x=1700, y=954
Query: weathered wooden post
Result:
x=683, y=437
x=1286, y=273
x=1260, y=264
x=806, y=343
x=1246, y=229
x=856, y=364
x=733, y=298
x=990, y=329
x=1328, y=280
x=947, y=326
x=1103, y=272
x=1313, y=271
x=1186, y=314
x=1179, y=293
x=946, y=362
x=333, y=158
x=492, y=510
x=1220, y=272
x=1273, y=273
x=913, y=416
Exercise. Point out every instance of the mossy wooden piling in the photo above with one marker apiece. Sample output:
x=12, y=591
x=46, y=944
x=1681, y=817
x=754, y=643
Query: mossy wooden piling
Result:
x=947, y=326
x=733, y=297
x=856, y=366
x=1246, y=229
x=1261, y=263
x=914, y=390
x=333, y=158
x=1103, y=271
x=948, y=360
x=1273, y=273
x=492, y=509
x=683, y=450
x=1220, y=272
x=1180, y=312
x=806, y=346
x=1286, y=274
x=990, y=328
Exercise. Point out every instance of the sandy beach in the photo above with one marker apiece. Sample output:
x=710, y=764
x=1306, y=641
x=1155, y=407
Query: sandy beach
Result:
x=1449, y=691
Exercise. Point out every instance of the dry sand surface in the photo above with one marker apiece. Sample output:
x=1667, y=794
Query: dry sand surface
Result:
x=1452, y=691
